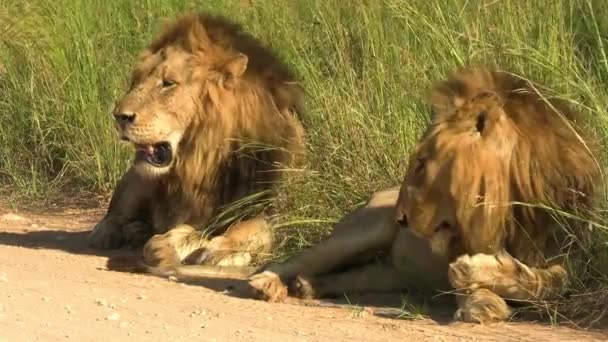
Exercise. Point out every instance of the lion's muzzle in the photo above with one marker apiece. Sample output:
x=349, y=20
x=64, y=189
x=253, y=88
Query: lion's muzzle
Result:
x=124, y=119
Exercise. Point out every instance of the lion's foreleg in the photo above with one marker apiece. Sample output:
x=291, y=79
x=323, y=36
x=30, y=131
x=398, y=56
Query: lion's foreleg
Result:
x=508, y=277
x=127, y=206
x=505, y=276
x=481, y=306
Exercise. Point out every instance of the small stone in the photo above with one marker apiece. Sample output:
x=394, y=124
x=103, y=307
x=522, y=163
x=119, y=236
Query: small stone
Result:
x=141, y=296
x=113, y=317
x=101, y=302
x=35, y=225
x=46, y=299
x=172, y=278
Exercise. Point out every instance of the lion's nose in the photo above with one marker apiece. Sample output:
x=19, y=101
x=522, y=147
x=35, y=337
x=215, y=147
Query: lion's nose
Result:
x=124, y=118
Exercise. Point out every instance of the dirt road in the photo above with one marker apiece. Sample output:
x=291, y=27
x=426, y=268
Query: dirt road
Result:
x=54, y=288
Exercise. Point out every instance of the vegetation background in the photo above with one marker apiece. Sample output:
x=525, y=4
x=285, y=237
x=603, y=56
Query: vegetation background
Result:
x=367, y=66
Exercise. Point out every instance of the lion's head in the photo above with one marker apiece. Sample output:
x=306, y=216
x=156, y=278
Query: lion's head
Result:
x=494, y=152
x=213, y=115
x=203, y=82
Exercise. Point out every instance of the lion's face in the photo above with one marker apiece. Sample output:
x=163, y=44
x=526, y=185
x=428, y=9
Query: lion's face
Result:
x=165, y=98
x=447, y=175
x=159, y=107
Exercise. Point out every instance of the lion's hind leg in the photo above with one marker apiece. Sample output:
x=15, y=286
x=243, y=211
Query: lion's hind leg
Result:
x=172, y=247
x=372, y=277
x=235, y=248
x=505, y=276
x=365, y=231
x=241, y=244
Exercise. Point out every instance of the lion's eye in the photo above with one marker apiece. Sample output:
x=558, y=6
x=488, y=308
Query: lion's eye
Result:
x=420, y=162
x=168, y=83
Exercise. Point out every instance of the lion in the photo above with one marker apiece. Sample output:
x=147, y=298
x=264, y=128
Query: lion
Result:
x=214, y=118
x=476, y=212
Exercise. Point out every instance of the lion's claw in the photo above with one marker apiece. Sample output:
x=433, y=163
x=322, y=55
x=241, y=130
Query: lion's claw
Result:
x=268, y=286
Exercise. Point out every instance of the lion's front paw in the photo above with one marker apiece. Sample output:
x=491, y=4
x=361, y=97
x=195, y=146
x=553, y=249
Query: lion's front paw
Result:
x=268, y=286
x=136, y=234
x=105, y=235
x=484, y=271
x=481, y=306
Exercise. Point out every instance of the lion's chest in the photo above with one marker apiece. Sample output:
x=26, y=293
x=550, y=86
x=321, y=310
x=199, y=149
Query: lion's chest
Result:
x=418, y=265
x=171, y=210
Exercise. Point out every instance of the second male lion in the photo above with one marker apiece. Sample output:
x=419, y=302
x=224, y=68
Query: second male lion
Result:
x=213, y=117
x=472, y=213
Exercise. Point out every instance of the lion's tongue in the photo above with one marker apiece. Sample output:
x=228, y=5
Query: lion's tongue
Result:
x=146, y=149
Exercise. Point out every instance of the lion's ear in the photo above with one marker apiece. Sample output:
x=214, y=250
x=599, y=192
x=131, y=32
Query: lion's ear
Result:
x=486, y=120
x=480, y=124
x=236, y=66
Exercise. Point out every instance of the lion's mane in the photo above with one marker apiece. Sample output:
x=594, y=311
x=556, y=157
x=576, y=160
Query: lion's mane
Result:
x=236, y=147
x=532, y=161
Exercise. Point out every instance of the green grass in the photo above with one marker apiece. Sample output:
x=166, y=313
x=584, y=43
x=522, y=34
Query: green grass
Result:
x=367, y=66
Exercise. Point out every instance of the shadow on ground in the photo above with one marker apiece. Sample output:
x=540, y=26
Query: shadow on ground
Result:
x=124, y=260
x=74, y=242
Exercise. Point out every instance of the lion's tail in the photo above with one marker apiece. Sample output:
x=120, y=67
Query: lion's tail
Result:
x=135, y=265
x=200, y=271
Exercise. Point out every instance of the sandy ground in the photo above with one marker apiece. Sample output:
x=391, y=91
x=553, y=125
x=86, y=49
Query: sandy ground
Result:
x=53, y=288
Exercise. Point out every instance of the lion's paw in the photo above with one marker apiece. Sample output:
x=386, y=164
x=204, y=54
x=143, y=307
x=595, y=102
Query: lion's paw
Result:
x=105, y=235
x=302, y=287
x=136, y=234
x=482, y=306
x=268, y=286
x=484, y=270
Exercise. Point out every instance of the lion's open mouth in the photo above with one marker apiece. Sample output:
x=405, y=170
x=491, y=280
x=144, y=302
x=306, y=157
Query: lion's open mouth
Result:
x=444, y=225
x=158, y=155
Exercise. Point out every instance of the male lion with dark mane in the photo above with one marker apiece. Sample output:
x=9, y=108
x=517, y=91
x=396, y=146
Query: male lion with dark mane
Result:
x=476, y=211
x=213, y=116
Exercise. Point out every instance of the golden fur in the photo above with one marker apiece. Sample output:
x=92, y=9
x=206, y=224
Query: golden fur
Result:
x=213, y=115
x=493, y=142
x=471, y=213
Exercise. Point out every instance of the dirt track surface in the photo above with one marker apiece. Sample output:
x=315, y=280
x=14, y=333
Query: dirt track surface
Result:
x=54, y=288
